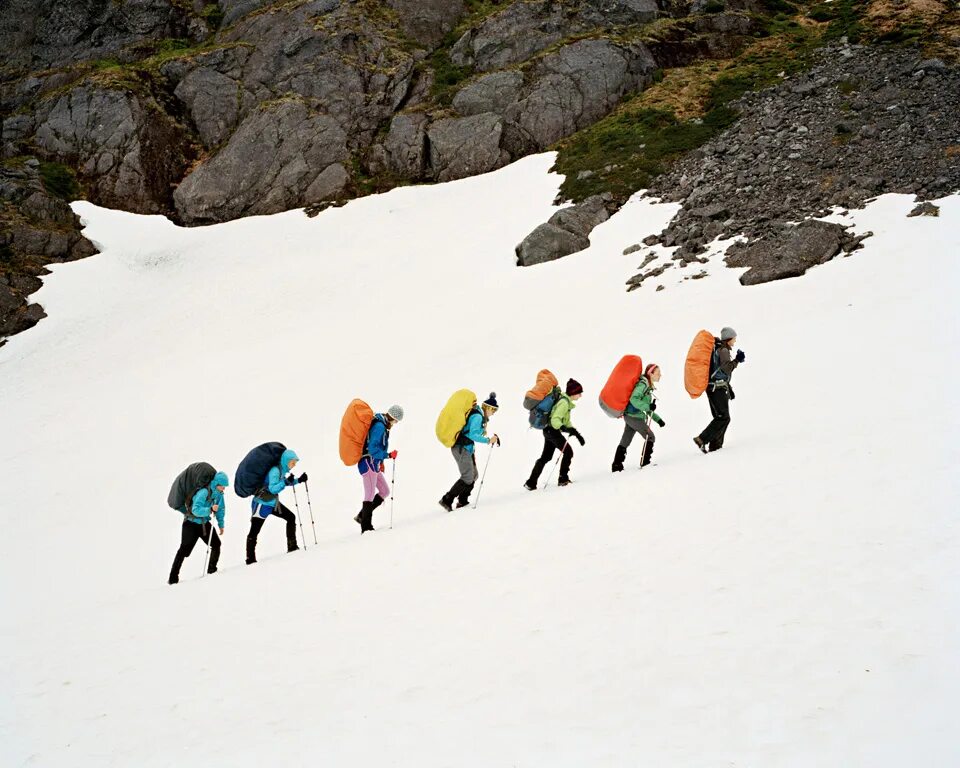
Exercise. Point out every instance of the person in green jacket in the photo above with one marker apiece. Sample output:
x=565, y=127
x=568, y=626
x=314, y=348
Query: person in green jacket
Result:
x=553, y=438
x=641, y=408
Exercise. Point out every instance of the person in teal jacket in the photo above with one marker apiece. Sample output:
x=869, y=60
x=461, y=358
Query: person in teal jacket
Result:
x=196, y=524
x=639, y=410
x=266, y=502
x=553, y=439
x=474, y=431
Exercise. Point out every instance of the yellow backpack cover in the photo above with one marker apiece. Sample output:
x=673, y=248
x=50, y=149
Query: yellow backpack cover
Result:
x=453, y=417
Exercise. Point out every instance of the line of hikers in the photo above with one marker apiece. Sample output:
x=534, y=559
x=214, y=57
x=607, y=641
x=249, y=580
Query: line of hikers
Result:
x=267, y=470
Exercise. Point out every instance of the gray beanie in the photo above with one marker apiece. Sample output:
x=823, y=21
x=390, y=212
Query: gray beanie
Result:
x=727, y=333
x=395, y=412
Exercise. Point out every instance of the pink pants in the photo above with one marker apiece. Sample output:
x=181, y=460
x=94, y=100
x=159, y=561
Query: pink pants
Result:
x=373, y=483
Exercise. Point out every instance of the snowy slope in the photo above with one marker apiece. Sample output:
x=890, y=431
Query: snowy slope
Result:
x=790, y=601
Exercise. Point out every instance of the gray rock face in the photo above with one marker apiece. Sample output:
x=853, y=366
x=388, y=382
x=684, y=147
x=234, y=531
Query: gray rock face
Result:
x=406, y=146
x=567, y=231
x=276, y=156
x=428, y=21
x=578, y=85
x=466, y=146
x=491, y=93
x=788, y=253
x=129, y=153
x=214, y=103
x=38, y=229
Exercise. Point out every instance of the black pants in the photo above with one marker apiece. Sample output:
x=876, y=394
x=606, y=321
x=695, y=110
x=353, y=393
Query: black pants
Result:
x=719, y=398
x=256, y=523
x=553, y=440
x=189, y=533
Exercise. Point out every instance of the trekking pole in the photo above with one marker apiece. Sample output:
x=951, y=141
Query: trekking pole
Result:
x=393, y=475
x=482, y=477
x=206, y=557
x=562, y=451
x=646, y=438
x=297, y=505
x=310, y=507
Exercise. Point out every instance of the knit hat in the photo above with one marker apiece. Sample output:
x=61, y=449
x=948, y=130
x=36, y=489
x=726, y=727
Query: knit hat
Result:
x=395, y=412
x=573, y=387
x=649, y=370
x=727, y=333
x=492, y=401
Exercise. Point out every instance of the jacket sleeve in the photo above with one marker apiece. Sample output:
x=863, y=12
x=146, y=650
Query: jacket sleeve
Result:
x=474, y=430
x=201, y=504
x=221, y=509
x=275, y=482
x=560, y=415
x=727, y=365
x=378, y=442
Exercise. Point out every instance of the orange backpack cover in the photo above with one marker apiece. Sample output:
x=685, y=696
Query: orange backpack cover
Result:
x=616, y=392
x=696, y=371
x=354, y=426
x=546, y=381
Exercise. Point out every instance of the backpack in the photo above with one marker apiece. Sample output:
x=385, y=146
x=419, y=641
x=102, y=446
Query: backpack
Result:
x=252, y=472
x=540, y=400
x=354, y=427
x=700, y=365
x=462, y=439
x=453, y=416
x=195, y=477
x=615, y=395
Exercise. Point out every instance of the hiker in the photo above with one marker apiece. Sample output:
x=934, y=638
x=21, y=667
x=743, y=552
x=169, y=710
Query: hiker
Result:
x=642, y=406
x=474, y=431
x=266, y=502
x=553, y=439
x=196, y=524
x=376, y=450
x=719, y=391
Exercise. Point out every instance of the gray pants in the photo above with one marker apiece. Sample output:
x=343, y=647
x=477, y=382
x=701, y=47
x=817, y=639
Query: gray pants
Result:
x=466, y=463
x=631, y=426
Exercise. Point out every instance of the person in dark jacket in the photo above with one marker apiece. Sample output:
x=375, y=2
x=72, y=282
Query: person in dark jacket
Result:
x=376, y=450
x=719, y=391
x=196, y=524
x=641, y=407
x=560, y=422
x=266, y=502
x=474, y=431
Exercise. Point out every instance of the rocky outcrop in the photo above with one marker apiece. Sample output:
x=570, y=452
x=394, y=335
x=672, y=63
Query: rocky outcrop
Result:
x=862, y=122
x=36, y=229
x=567, y=231
x=282, y=156
x=428, y=21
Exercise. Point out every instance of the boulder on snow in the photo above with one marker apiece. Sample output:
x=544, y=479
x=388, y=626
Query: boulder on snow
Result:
x=789, y=253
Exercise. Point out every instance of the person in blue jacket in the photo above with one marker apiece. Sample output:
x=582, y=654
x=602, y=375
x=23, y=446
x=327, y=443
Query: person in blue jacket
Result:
x=196, y=524
x=474, y=431
x=376, y=450
x=266, y=502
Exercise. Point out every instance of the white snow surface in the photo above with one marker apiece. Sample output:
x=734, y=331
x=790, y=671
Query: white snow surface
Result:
x=789, y=601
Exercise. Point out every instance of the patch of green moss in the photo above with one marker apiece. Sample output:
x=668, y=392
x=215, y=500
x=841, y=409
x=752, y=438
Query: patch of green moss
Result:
x=59, y=181
x=212, y=13
x=447, y=76
x=845, y=19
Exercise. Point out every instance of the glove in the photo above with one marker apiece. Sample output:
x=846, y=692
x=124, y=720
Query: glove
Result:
x=579, y=437
x=392, y=454
x=302, y=478
x=653, y=406
x=731, y=393
x=290, y=479
x=740, y=356
x=495, y=440
x=662, y=423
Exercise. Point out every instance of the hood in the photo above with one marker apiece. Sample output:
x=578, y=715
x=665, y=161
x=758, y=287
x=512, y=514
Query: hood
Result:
x=219, y=479
x=285, y=460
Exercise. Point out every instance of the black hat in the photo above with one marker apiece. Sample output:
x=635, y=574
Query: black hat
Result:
x=573, y=387
x=492, y=401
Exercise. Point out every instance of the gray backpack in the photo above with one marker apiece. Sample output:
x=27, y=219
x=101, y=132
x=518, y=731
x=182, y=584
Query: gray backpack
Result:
x=192, y=479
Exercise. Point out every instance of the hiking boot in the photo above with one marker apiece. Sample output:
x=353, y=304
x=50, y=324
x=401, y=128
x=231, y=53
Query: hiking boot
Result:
x=292, y=546
x=211, y=570
x=446, y=504
x=562, y=481
x=647, y=454
x=700, y=444
x=251, y=561
x=618, y=458
x=530, y=486
x=173, y=580
x=461, y=503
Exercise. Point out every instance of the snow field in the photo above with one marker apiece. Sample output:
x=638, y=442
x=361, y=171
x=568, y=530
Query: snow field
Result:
x=789, y=601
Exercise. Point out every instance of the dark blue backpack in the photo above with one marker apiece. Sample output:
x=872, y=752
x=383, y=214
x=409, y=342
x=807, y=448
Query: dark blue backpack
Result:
x=540, y=413
x=252, y=471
